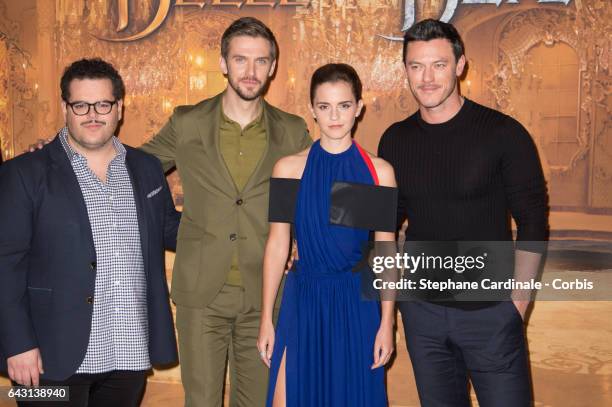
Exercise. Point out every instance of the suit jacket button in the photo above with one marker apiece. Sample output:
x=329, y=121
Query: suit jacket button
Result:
x=239, y=202
x=233, y=237
x=93, y=265
x=90, y=300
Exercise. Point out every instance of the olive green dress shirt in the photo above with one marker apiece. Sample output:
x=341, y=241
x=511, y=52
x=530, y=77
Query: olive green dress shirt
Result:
x=241, y=149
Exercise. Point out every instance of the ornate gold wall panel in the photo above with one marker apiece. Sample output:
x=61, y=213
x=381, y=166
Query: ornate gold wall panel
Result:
x=552, y=73
x=6, y=123
x=525, y=75
x=16, y=83
x=596, y=22
x=336, y=31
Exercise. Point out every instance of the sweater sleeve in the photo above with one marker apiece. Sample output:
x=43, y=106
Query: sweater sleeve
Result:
x=524, y=186
x=385, y=150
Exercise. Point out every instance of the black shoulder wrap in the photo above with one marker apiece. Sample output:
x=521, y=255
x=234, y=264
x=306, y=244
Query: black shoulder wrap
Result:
x=283, y=197
x=363, y=206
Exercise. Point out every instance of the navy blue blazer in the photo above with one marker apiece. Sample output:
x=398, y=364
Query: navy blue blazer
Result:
x=48, y=259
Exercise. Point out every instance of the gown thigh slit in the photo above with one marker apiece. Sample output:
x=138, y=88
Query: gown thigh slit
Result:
x=280, y=398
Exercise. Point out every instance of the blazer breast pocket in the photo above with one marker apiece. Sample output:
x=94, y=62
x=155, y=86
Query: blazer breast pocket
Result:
x=154, y=192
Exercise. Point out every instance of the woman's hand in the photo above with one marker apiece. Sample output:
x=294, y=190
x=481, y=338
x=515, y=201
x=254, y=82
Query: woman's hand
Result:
x=383, y=345
x=265, y=342
x=294, y=256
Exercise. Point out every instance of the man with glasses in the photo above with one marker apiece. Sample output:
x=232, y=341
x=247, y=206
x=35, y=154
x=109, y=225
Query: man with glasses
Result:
x=85, y=220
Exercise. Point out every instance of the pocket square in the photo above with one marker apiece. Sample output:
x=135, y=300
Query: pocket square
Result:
x=154, y=192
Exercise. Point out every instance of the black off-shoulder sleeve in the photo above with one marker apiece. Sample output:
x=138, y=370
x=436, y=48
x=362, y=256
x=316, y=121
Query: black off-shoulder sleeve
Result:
x=283, y=197
x=363, y=206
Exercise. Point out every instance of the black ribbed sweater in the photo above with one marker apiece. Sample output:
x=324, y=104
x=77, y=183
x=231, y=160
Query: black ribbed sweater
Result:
x=460, y=180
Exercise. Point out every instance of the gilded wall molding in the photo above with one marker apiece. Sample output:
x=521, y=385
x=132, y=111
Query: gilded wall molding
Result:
x=335, y=31
x=523, y=31
x=6, y=121
x=15, y=90
x=151, y=68
x=595, y=25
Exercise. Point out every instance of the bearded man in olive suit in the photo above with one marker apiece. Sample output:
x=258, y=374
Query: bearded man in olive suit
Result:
x=224, y=149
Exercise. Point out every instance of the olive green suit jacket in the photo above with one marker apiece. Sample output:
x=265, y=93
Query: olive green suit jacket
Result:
x=217, y=217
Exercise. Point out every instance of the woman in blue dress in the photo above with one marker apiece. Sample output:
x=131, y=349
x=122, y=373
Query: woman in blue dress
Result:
x=330, y=346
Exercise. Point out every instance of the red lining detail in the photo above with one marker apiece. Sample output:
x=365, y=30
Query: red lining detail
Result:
x=368, y=162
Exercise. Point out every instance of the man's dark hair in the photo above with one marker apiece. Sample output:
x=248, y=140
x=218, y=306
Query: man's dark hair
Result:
x=336, y=73
x=94, y=68
x=250, y=27
x=430, y=29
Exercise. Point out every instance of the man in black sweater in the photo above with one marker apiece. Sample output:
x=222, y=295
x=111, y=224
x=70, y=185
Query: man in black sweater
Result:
x=462, y=169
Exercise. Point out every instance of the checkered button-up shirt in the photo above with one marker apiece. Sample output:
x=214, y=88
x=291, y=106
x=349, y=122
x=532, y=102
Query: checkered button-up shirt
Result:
x=119, y=327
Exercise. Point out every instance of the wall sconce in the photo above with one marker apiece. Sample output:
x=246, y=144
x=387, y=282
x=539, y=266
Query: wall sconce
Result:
x=166, y=105
x=197, y=82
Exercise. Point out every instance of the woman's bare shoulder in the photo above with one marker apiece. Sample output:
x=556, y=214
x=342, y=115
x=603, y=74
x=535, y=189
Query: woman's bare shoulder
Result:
x=291, y=166
x=385, y=172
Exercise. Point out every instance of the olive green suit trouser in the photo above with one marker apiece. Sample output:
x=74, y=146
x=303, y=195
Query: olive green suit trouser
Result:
x=227, y=328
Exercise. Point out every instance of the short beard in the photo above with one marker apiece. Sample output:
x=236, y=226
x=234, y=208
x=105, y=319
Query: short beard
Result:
x=244, y=96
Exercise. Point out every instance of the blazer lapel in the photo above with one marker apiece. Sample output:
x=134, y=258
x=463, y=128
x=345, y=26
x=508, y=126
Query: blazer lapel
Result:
x=274, y=135
x=73, y=190
x=139, y=199
x=208, y=127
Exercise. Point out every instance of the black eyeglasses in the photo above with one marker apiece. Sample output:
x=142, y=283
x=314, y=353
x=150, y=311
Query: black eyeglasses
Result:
x=82, y=108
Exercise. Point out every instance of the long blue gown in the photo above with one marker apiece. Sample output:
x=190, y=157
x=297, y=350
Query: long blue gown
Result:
x=324, y=327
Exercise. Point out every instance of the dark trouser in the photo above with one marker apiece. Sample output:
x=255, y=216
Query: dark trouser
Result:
x=119, y=388
x=447, y=345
